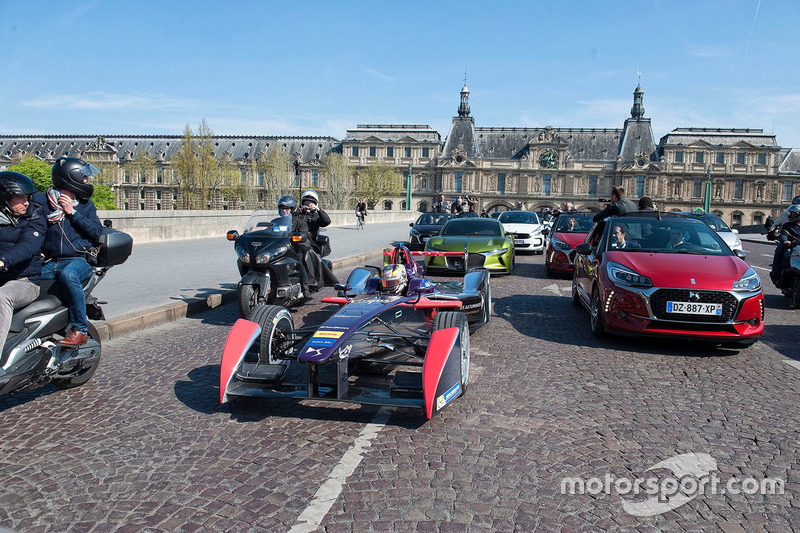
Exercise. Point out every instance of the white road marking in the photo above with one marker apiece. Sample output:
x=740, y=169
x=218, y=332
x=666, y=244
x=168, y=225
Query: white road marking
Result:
x=792, y=362
x=553, y=288
x=329, y=491
x=761, y=268
x=768, y=255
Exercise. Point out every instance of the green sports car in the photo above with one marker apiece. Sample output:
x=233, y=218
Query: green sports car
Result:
x=484, y=241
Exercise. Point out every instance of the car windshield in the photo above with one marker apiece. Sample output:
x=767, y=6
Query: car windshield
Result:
x=518, y=217
x=669, y=235
x=473, y=226
x=433, y=219
x=715, y=223
x=573, y=224
x=266, y=220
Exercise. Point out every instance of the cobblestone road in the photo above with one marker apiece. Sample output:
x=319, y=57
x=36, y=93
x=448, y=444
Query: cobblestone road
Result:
x=146, y=447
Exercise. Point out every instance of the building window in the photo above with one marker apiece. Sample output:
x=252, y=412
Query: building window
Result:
x=126, y=206
x=639, y=186
x=501, y=183
x=593, y=184
x=736, y=219
x=260, y=178
x=762, y=159
x=403, y=205
x=174, y=196
x=355, y=151
x=423, y=207
x=141, y=207
x=408, y=152
x=697, y=188
x=243, y=172
x=158, y=195
x=546, y=184
x=174, y=176
x=758, y=218
x=720, y=157
x=127, y=178
x=387, y=205
x=738, y=191
x=314, y=178
x=740, y=158
x=159, y=174
x=458, y=180
x=141, y=194
x=679, y=157
x=158, y=207
x=390, y=151
x=372, y=151
x=296, y=181
x=426, y=152
x=788, y=187
x=698, y=157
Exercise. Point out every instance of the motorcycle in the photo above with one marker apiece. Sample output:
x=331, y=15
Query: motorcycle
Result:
x=789, y=282
x=269, y=259
x=31, y=355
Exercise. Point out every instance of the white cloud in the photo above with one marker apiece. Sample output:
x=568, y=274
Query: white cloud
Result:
x=100, y=100
x=379, y=75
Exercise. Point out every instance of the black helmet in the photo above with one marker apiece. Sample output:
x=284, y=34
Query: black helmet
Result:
x=286, y=201
x=68, y=173
x=14, y=184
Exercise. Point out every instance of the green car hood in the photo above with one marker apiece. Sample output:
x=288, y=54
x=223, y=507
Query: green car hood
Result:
x=455, y=243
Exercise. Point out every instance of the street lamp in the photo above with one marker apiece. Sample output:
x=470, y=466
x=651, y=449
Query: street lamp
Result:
x=297, y=176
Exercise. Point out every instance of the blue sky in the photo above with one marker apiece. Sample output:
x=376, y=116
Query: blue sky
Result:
x=319, y=68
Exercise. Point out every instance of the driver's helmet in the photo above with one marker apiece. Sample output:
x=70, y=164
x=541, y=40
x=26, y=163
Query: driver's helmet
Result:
x=14, y=184
x=794, y=210
x=309, y=195
x=69, y=172
x=286, y=202
x=394, y=279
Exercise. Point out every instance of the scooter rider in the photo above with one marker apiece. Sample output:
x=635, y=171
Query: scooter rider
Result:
x=72, y=229
x=314, y=216
x=22, y=230
x=287, y=207
x=788, y=239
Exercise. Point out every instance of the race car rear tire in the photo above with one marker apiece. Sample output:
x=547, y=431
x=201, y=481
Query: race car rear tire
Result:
x=277, y=335
x=455, y=319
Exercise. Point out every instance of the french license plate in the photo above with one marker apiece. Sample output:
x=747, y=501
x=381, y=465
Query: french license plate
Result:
x=688, y=308
x=519, y=241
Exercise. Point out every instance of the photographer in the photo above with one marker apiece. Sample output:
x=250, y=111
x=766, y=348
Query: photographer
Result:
x=312, y=215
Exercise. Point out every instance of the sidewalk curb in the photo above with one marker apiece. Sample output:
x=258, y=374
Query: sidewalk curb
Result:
x=162, y=314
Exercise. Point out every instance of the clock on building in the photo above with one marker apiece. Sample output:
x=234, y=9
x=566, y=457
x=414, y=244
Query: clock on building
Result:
x=548, y=159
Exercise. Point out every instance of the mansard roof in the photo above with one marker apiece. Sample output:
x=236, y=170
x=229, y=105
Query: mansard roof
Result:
x=123, y=147
x=790, y=161
x=393, y=132
x=719, y=137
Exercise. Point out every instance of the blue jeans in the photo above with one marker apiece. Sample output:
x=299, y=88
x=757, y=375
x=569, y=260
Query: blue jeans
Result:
x=71, y=273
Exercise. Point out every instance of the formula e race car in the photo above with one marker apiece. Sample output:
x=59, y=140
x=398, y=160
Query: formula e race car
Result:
x=408, y=349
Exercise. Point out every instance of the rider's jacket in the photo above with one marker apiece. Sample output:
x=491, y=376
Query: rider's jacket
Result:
x=73, y=234
x=315, y=220
x=20, y=245
x=790, y=232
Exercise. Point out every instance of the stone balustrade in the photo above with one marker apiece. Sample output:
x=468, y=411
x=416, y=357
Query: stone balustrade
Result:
x=156, y=226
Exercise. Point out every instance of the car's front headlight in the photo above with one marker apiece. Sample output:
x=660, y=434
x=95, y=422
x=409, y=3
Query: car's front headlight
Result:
x=244, y=256
x=495, y=252
x=750, y=281
x=622, y=275
x=558, y=244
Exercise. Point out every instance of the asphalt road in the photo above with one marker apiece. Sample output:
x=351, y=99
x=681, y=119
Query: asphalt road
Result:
x=145, y=446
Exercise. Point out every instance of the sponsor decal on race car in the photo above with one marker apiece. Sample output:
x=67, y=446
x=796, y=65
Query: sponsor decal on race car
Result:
x=313, y=352
x=324, y=334
x=471, y=306
x=445, y=398
x=344, y=352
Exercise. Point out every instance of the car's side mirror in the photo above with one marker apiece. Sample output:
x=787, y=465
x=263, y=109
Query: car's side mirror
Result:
x=232, y=235
x=545, y=232
x=107, y=223
x=424, y=290
x=584, y=248
x=342, y=287
x=736, y=231
x=741, y=254
x=410, y=224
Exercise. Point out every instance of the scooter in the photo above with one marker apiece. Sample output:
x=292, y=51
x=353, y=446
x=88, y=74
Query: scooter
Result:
x=789, y=282
x=31, y=355
x=269, y=256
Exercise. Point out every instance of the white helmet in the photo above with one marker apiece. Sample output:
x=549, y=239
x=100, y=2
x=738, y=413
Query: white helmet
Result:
x=309, y=195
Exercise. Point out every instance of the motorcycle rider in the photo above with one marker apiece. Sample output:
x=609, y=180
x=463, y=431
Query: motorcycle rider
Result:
x=22, y=230
x=287, y=208
x=72, y=229
x=314, y=217
x=788, y=239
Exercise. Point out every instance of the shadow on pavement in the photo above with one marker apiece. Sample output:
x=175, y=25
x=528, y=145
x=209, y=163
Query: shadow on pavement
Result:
x=783, y=339
x=556, y=319
x=21, y=398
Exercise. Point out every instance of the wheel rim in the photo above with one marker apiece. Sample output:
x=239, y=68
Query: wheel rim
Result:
x=280, y=340
x=595, y=313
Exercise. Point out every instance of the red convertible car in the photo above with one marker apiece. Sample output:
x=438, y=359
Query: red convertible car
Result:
x=569, y=230
x=642, y=275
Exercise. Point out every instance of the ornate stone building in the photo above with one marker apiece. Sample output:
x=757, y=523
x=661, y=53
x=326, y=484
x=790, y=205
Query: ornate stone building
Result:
x=506, y=167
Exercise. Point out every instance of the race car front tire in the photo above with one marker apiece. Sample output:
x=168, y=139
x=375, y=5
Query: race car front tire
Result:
x=277, y=335
x=455, y=319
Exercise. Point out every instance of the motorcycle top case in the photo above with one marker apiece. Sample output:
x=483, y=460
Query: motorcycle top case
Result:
x=114, y=248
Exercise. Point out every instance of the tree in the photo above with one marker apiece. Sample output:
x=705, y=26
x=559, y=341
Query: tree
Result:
x=35, y=169
x=379, y=181
x=143, y=164
x=208, y=175
x=278, y=174
x=185, y=162
x=103, y=197
x=338, y=172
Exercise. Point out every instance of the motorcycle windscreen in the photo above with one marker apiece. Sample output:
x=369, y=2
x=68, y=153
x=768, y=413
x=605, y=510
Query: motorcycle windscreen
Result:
x=441, y=373
x=242, y=335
